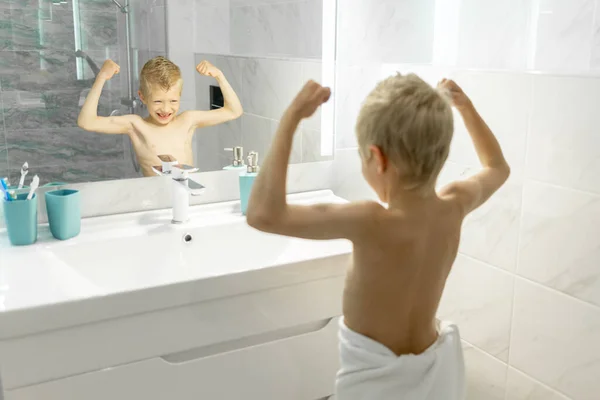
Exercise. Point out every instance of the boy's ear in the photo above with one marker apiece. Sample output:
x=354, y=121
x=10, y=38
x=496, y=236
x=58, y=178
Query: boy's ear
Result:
x=380, y=158
x=141, y=96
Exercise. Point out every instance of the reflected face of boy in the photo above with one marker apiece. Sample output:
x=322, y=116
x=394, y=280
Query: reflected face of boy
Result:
x=162, y=104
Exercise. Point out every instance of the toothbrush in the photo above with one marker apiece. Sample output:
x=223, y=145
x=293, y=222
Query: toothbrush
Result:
x=34, y=185
x=4, y=189
x=24, y=171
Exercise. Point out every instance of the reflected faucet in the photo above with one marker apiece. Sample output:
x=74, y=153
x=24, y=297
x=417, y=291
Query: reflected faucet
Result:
x=183, y=186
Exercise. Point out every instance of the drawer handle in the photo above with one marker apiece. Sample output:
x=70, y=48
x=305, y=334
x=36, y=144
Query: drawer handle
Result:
x=249, y=341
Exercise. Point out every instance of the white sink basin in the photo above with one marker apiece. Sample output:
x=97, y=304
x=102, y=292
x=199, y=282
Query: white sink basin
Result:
x=126, y=254
x=181, y=254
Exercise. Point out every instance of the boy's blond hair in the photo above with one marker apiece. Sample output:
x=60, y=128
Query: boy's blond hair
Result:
x=159, y=71
x=412, y=124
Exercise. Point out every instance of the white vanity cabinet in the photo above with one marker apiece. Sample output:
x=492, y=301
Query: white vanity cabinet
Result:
x=229, y=332
x=273, y=344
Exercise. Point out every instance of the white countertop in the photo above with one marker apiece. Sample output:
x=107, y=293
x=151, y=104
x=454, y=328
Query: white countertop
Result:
x=41, y=288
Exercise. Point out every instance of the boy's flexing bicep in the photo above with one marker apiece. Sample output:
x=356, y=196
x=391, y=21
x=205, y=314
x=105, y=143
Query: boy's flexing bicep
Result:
x=121, y=124
x=471, y=193
x=202, y=119
x=320, y=221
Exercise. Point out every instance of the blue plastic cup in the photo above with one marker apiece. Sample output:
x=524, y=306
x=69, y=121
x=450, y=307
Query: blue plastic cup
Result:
x=21, y=217
x=64, y=213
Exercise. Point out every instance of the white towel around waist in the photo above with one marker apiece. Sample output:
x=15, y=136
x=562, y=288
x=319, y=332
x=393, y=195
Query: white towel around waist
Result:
x=371, y=371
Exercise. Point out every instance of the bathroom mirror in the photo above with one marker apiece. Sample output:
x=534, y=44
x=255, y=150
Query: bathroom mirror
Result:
x=51, y=51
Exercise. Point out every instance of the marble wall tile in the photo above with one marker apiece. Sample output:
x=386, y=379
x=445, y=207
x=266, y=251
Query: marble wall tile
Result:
x=504, y=100
x=353, y=84
x=49, y=109
x=522, y=387
x=157, y=27
x=595, y=61
x=269, y=86
x=564, y=145
x=180, y=25
x=30, y=70
x=478, y=298
x=313, y=70
x=78, y=172
x=311, y=146
x=24, y=30
x=486, y=376
x=186, y=62
x=211, y=29
x=554, y=340
x=389, y=31
x=292, y=29
x=491, y=233
x=348, y=181
x=258, y=133
x=3, y=154
x=140, y=25
x=232, y=68
x=46, y=147
x=559, y=240
x=98, y=28
x=493, y=34
x=207, y=149
x=564, y=35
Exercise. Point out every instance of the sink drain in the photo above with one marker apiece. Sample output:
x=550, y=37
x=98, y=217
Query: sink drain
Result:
x=187, y=238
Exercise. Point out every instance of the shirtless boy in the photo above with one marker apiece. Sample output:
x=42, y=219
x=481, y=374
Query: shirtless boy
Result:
x=163, y=132
x=391, y=346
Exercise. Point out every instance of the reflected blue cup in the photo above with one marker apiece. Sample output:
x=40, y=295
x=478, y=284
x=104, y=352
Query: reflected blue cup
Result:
x=21, y=217
x=64, y=213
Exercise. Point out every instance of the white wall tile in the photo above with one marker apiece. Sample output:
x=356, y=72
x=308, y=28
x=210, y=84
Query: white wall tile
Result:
x=494, y=34
x=478, y=298
x=348, y=181
x=313, y=71
x=258, y=133
x=504, y=102
x=211, y=32
x=186, y=62
x=486, y=376
x=559, y=240
x=595, y=61
x=232, y=68
x=522, y=387
x=290, y=29
x=490, y=233
x=157, y=29
x=564, y=35
x=564, y=145
x=180, y=25
x=207, y=149
x=446, y=32
x=269, y=86
x=311, y=146
x=555, y=340
x=353, y=84
x=392, y=31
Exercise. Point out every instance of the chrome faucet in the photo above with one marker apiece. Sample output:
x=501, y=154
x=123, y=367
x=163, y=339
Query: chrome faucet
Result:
x=183, y=186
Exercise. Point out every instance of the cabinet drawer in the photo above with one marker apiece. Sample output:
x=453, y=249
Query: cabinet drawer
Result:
x=297, y=367
x=61, y=354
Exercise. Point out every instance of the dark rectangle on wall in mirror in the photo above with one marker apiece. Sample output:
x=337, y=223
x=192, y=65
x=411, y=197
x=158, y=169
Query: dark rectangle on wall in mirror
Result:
x=216, y=98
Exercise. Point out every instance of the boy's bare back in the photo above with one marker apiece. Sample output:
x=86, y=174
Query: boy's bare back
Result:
x=399, y=270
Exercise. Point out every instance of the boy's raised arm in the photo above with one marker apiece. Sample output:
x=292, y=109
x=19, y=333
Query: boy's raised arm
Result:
x=232, y=107
x=268, y=209
x=88, y=116
x=473, y=192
